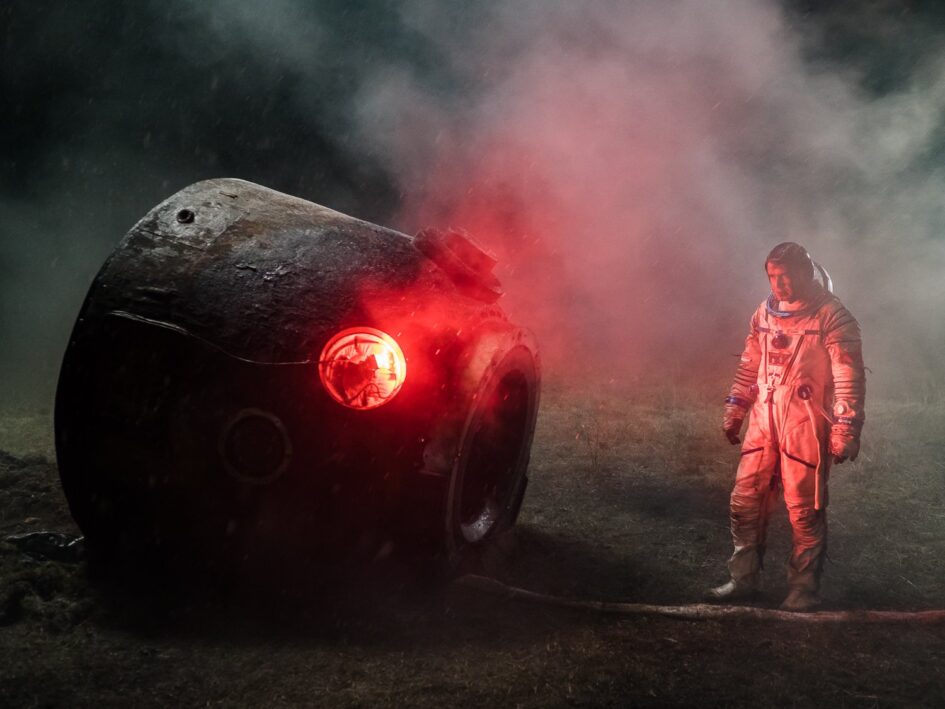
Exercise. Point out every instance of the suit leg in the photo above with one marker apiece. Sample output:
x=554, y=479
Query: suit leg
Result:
x=808, y=526
x=751, y=504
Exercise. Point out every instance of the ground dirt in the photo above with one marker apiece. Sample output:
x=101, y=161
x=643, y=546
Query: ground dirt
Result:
x=628, y=501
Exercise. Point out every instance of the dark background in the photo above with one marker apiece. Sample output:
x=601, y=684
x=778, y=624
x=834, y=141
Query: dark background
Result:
x=106, y=108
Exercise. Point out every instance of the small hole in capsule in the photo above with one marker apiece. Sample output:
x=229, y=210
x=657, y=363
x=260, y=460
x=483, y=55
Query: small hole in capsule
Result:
x=185, y=216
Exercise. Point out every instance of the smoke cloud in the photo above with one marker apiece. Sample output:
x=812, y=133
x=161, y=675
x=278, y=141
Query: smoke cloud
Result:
x=633, y=164
x=630, y=163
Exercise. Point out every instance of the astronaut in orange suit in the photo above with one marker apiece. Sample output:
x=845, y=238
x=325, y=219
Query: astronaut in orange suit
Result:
x=801, y=378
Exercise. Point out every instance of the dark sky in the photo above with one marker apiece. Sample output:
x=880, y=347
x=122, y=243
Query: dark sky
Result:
x=746, y=125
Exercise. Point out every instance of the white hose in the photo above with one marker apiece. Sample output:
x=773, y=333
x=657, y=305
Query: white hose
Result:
x=819, y=474
x=702, y=611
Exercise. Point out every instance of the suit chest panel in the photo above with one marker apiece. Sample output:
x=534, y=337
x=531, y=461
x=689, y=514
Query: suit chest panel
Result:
x=790, y=347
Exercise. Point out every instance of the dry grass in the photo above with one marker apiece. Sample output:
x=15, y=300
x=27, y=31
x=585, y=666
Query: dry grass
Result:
x=628, y=473
x=27, y=433
x=628, y=500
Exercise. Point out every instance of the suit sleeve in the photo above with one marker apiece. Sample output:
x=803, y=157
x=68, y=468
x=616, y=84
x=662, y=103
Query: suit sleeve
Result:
x=843, y=343
x=744, y=389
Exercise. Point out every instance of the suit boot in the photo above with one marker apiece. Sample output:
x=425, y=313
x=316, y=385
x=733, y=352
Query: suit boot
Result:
x=800, y=600
x=742, y=589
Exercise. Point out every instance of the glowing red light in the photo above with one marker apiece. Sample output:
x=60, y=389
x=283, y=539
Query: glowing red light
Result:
x=362, y=368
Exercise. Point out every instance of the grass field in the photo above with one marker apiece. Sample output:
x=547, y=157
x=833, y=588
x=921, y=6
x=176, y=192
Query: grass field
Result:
x=628, y=501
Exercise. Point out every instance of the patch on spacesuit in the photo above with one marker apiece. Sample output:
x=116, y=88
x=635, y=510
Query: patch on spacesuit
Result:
x=780, y=341
x=778, y=359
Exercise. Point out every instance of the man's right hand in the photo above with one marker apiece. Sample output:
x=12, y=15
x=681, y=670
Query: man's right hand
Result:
x=732, y=423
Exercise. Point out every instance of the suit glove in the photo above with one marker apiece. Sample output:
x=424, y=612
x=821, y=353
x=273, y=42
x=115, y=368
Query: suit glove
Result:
x=844, y=443
x=732, y=423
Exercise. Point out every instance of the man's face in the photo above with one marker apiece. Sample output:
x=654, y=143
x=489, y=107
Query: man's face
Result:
x=786, y=284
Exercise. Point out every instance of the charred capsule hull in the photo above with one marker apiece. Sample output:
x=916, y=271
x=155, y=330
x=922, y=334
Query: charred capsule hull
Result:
x=251, y=371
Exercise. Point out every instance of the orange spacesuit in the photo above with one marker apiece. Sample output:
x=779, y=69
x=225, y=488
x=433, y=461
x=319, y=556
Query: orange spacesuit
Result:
x=801, y=377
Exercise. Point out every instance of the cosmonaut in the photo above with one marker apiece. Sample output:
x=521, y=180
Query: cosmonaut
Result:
x=801, y=378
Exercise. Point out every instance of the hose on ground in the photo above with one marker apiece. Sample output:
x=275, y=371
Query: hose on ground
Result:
x=701, y=611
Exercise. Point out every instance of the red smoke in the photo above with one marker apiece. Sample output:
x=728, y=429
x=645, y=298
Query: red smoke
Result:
x=583, y=189
x=632, y=164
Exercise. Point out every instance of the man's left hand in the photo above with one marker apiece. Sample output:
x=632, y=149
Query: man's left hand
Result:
x=843, y=445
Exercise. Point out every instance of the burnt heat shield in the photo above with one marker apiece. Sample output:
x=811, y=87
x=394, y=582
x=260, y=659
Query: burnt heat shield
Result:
x=192, y=418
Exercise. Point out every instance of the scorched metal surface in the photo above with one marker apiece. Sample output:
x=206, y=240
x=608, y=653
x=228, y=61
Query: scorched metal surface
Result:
x=190, y=414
